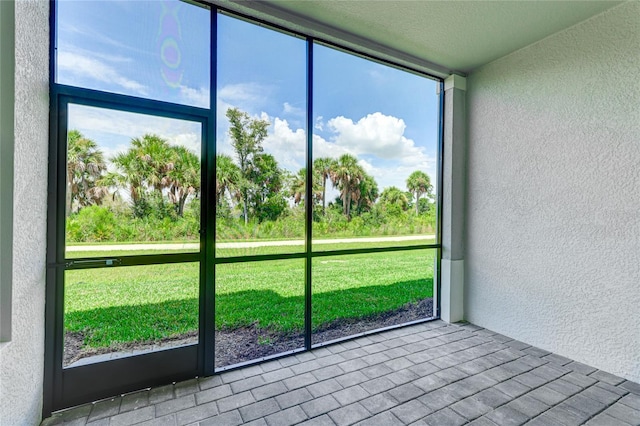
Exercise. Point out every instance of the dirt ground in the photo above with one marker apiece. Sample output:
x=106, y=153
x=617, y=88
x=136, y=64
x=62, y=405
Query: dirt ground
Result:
x=250, y=343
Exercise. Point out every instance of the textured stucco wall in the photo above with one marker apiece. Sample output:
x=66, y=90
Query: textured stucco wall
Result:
x=553, y=202
x=21, y=359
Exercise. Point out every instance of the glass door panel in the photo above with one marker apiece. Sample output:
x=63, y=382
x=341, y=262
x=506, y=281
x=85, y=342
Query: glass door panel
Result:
x=131, y=287
x=261, y=140
x=354, y=294
x=148, y=49
x=122, y=311
x=133, y=184
x=259, y=310
x=374, y=153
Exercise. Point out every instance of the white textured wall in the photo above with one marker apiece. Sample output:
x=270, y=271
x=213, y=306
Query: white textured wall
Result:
x=21, y=360
x=553, y=224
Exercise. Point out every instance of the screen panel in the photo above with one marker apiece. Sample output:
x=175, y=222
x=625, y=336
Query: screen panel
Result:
x=354, y=294
x=133, y=184
x=374, y=153
x=110, y=313
x=150, y=49
x=259, y=310
x=261, y=140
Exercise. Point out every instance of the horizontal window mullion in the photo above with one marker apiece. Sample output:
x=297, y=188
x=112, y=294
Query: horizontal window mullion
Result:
x=373, y=250
x=135, y=260
x=116, y=101
x=261, y=257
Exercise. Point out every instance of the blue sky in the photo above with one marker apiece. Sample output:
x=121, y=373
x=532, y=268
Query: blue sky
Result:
x=159, y=50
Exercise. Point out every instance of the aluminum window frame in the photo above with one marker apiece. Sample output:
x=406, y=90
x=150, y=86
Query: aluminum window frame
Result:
x=57, y=263
x=7, y=107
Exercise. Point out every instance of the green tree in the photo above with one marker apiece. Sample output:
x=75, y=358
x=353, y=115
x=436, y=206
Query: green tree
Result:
x=368, y=192
x=228, y=177
x=156, y=158
x=128, y=175
x=267, y=180
x=297, y=185
x=346, y=176
x=394, y=200
x=183, y=177
x=419, y=184
x=85, y=168
x=143, y=166
x=150, y=166
x=322, y=167
x=247, y=135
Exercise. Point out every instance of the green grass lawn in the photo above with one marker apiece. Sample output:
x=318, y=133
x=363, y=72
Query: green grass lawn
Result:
x=145, y=303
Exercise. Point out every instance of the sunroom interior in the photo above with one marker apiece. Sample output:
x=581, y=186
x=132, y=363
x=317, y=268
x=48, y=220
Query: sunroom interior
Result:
x=538, y=179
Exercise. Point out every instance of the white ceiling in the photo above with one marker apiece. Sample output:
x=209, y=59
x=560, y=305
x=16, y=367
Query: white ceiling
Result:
x=448, y=35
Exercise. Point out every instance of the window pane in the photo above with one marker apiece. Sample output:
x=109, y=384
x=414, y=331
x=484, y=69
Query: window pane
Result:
x=357, y=293
x=115, y=312
x=375, y=151
x=261, y=140
x=150, y=49
x=259, y=310
x=133, y=184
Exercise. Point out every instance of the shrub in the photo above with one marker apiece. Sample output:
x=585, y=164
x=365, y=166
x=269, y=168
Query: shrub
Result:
x=91, y=224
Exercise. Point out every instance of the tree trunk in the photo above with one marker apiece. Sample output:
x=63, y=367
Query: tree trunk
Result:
x=344, y=204
x=181, y=203
x=324, y=193
x=348, y=206
x=417, y=203
x=69, y=198
x=246, y=209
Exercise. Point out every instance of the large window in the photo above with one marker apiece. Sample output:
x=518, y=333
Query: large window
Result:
x=224, y=192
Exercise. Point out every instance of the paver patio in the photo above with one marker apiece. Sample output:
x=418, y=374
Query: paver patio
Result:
x=427, y=374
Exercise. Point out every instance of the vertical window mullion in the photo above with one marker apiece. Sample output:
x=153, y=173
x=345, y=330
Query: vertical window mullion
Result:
x=207, y=302
x=308, y=200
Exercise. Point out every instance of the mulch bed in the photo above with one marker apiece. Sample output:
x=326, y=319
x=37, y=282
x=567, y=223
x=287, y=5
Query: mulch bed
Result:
x=242, y=344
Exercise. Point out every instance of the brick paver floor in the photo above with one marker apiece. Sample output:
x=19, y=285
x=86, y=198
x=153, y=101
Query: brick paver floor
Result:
x=426, y=374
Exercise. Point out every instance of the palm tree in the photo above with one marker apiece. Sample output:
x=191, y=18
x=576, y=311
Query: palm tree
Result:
x=129, y=174
x=85, y=167
x=228, y=177
x=298, y=187
x=393, y=196
x=144, y=167
x=346, y=176
x=368, y=193
x=184, y=177
x=419, y=184
x=156, y=158
x=322, y=167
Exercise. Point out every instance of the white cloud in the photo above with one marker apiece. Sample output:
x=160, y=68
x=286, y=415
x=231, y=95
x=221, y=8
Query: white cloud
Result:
x=397, y=174
x=191, y=141
x=289, y=109
x=377, y=134
x=113, y=130
x=319, y=124
x=246, y=96
x=288, y=146
x=324, y=148
x=89, y=33
x=197, y=97
x=72, y=65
